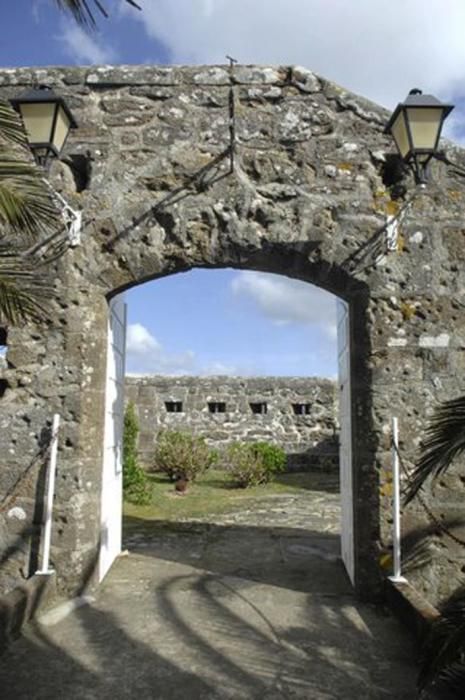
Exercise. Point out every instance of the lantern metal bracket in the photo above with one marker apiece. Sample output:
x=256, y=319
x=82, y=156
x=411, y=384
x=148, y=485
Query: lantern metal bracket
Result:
x=73, y=222
x=392, y=233
x=420, y=170
x=72, y=218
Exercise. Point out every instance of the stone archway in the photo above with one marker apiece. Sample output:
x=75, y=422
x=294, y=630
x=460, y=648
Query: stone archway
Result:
x=284, y=259
x=352, y=542
x=306, y=195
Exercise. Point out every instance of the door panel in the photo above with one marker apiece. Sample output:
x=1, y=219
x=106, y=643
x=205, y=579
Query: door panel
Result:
x=345, y=439
x=112, y=478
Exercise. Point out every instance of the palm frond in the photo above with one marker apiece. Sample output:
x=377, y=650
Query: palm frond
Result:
x=26, y=206
x=83, y=12
x=23, y=291
x=444, y=441
x=450, y=682
x=445, y=644
x=11, y=126
x=17, y=304
x=26, y=210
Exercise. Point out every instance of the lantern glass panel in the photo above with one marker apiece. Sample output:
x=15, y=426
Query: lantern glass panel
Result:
x=400, y=134
x=61, y=129
x=425, y=124
x=38, y=120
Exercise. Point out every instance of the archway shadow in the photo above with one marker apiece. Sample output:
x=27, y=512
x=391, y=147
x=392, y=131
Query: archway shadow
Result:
x=169, y=651
x=321, y=481
x=163, y=627
x=289, y=557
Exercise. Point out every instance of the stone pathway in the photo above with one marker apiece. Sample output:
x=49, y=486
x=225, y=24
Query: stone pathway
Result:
x=254, y=605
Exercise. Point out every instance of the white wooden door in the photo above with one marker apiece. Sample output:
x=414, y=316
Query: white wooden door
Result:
x=112, y=478
x=345, y=438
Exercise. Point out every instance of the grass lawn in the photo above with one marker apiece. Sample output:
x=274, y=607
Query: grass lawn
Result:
x=213, y=494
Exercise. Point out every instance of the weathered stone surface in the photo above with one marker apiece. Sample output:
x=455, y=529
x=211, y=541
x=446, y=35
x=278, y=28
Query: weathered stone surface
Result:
x=310, y=441
x=307, y=198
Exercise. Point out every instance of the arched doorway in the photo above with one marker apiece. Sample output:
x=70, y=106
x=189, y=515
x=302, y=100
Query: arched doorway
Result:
x=352, y=541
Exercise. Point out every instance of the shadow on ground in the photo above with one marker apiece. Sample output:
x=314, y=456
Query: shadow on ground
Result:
x=217, y=611
x=293, y=558
x=321, y=481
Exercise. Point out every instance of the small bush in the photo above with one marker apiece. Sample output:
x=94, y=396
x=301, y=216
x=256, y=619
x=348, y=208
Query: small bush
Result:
x=136, y=487
x=181, y=455
x=274, y=457
x=254, y=463
x=245, y=467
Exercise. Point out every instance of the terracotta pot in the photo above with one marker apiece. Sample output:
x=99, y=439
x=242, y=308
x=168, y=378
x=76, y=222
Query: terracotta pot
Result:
x=181, y=486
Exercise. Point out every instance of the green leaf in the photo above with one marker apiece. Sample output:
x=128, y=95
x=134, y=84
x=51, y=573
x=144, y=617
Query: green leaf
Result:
x=444, y=441
x=443, y=654
x=82, y=11
x=450, y=682
x=23, y=290
x=11, y=126
x=26, y=206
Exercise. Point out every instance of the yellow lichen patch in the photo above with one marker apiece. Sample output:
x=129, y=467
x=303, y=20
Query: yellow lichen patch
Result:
x=391, y=207
x=407, y=310
x=385, y=560
x=386, y=489
x=384, y=205
x=400, y=243
x=347, y=167
x=455, y=195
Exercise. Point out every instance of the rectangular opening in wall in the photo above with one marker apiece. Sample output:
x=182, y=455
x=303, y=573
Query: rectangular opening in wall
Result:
x=173, y=406
x=217, y=407
x=302, y=409
x=259, y=408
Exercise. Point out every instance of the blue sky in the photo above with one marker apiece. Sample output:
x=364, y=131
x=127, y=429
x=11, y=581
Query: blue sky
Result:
x=230, y=321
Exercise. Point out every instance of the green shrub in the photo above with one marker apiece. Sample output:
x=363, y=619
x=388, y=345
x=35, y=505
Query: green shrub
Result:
x=274, y=457
x=245, y=467
x=136, y=487
x=254, y=463
x=182, y=455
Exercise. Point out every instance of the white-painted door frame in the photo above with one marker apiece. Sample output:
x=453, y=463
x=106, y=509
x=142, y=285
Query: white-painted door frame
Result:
x=345, y=439
x=112, y=473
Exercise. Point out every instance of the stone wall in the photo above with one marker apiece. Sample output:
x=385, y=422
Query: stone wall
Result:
x=306, y=190
x=296, y=413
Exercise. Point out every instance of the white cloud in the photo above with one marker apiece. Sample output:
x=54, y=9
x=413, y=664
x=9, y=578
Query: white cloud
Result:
x=140, y=341
x=285, y=300
x=241, y=369
x=83, y=47
x=36, y=8
x=378, y=49
x=145, y=355
x=220, y=368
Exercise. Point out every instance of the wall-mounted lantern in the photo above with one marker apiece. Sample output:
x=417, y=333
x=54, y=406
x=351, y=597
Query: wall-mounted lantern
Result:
x=415, y=126
x=47, y=120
